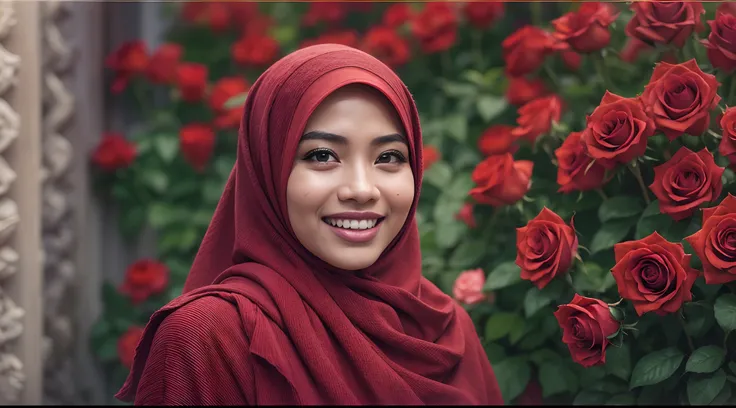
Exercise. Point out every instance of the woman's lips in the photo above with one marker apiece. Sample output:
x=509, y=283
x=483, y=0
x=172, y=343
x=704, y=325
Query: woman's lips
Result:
x=355, y=235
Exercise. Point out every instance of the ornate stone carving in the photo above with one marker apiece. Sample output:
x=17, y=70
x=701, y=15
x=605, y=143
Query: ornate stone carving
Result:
x=58, y=231
x=11, y=323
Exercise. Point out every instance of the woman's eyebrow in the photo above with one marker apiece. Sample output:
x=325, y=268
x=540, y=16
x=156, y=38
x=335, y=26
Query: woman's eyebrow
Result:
x=331, y=137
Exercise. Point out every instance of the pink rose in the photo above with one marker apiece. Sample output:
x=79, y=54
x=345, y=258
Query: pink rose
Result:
x=468, y=287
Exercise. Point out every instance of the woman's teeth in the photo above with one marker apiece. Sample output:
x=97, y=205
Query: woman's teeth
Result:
x=352, y=224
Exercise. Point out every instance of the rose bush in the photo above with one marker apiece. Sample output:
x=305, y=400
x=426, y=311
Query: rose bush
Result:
x=619, y=117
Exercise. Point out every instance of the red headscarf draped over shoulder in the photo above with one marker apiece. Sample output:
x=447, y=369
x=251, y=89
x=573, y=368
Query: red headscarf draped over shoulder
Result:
x=383, y=335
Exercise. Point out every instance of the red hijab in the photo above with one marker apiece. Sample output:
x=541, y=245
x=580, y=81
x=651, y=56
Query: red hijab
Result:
x=399, y=339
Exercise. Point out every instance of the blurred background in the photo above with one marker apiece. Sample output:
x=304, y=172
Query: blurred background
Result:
x=118, y=128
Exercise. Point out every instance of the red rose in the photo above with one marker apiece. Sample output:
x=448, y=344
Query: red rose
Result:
x=246, y=13
x=536, y=117
x=387, y=45
x=258, y=26
x=721, y=43
x=680, y=98
x=127, y=344
x=654, y=274
x=532, y=395
x=497, y=139
x=215, y=14
x=728, y=7
x=545, y=248
x=468, y=287
x=586, y=29
x=617, y=130
x=349, y=38
x=191, y=78
x=435, y=27
x=632, y=49
x=396, y=15
x=162, y=66
x=685, y=182
x=483, y=14
x=727, y=148
x=143, y=279
x=522, y=90
x=574, y=169
x=466, y=215
x=330, y=13
x=430, y=155
x=255, y=50
x=715, y=242
x=665, y=22
x=586, y=325
x=197, y=141
x=500, y=180
x=130, y=59
x=571, y=59
x=222, y=91
x=524, y=51
x=114, y=152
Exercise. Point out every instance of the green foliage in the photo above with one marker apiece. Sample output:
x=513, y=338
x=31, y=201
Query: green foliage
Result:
x=460, y=93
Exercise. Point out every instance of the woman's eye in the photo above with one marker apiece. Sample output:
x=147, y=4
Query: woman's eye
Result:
x=321, y=156
x=391, y=157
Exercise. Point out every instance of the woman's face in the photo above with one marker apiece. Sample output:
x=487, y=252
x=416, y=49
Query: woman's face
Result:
x=351, y=187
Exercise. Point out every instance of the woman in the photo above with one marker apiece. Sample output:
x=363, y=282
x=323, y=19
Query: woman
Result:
x=307, y=287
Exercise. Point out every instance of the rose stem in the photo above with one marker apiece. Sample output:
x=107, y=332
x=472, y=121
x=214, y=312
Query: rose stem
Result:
x=637, y=174
x=681, y=319
x=477, y=38
x=551, y=75
x=601, y=193
x=600, y=67
x=731, y=93
x=536, y=10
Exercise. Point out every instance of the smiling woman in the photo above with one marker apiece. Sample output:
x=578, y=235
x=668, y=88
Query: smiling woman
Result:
x=351, y=187
x=307, y=288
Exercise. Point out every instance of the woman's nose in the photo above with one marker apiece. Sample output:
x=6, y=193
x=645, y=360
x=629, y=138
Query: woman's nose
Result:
x=359, y=186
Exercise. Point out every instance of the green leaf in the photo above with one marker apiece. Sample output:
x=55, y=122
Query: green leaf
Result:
x=698, y=318
x=131, y=221
x=586, y=397
x=167, y=147
x=100, y=332
x=619, y=207
x=618, y=362
x=622, y=399
x=706, y=359
x=439, y=175
x=108, y=350
x=456, y=126
x=459, y=89
x=723, y=397
x=495, y=352
x=460, y=186
x=552, y=377
x=489, y=106
x=610, y=234
x=656, y=367
x=540, y=356
x=725, y=311
x=448, y=234
x=500, y=324
x=156, y=179
x=161, y=215
x=236, y=101
x=467, y=254
x=702, y=390
x=732, y=367
x=505, y=274
x=512, y=374
x=536, y=299
x=652, y=220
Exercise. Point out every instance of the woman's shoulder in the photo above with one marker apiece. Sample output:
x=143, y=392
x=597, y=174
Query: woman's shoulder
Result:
x=207, y=318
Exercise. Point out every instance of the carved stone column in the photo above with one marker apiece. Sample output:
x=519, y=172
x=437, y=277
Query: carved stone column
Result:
x=20, y=227
x=57, y=219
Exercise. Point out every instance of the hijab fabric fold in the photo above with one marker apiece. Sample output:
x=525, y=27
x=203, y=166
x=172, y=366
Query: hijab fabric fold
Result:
x=383, y=335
